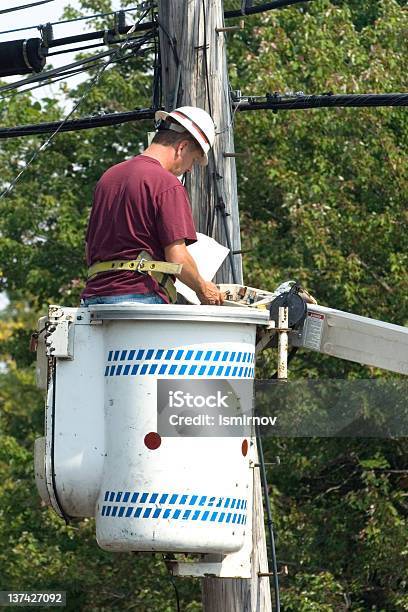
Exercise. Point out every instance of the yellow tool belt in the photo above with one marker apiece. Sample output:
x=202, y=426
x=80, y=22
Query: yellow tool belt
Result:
x=143, y=264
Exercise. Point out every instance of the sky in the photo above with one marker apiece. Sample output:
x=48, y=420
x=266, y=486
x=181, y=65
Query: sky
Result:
x=43, y=14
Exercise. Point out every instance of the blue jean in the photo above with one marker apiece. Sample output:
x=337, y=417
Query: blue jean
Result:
x=142, y=298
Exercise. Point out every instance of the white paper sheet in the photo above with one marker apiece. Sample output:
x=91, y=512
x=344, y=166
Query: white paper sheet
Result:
x=209, y=256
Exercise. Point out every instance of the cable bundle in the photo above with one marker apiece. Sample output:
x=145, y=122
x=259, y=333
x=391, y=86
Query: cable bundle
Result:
x=22, y=56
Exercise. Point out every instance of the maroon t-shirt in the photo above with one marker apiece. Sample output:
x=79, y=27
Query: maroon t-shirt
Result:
x=137, y=206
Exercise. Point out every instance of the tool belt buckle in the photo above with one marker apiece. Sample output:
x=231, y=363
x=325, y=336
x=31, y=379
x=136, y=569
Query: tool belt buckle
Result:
x=140, y=263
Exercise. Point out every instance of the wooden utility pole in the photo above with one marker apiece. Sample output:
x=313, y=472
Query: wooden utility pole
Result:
x=194, y=73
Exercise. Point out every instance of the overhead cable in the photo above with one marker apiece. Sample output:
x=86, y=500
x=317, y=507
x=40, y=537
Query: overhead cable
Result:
x=50, y=82
x=54, y=71
x=269, y=6
x=105, y=34
x=68, y=40
x=59, y=71
x=271, y=103
x=24, y=6
x=122, y=10
x=53, y=23
x=328, y=100
x=85, y=123
x=84, y=48
x=61, y=124
x=66, y=75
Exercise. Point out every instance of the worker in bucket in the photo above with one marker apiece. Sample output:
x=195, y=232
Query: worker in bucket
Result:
x=141, y=220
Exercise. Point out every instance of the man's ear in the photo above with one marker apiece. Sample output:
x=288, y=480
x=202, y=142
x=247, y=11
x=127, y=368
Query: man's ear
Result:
x=183, y=144
x=178, y=148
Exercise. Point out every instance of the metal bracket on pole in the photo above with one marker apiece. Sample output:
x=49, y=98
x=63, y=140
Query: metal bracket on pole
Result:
x=241, y=26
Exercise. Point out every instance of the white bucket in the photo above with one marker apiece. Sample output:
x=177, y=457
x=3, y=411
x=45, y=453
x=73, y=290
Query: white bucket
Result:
x=179, y=494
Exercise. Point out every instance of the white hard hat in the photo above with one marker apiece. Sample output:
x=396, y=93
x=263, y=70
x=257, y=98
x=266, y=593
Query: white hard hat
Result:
x=196, y=121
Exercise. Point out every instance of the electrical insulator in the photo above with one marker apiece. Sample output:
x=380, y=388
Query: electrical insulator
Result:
x=22, y=56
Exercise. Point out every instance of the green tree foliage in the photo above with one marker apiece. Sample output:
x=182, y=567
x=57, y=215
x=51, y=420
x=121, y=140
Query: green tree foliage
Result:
x=323, y=199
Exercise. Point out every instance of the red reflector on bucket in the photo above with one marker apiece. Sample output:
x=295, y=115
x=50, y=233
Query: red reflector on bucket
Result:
x=152, y=440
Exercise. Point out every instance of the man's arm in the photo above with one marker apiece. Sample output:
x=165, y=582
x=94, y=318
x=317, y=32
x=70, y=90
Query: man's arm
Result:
x=207, y=292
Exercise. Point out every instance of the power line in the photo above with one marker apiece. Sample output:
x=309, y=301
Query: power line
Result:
x=24, y=6
x=66, y=75
x=61, y=124
x=269, y=6
x=251, y=104
x=50, y=82
x=149, y=25
x=84, y=48
x=68, y=40
x=328, y=100
x=54, y=71
x=128, y=10
x=85, y=123
x=62, y=69
x=53, y=23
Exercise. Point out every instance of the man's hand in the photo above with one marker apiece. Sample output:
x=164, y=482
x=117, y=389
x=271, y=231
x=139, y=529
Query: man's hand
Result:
x=210, y=294
x=207, y=292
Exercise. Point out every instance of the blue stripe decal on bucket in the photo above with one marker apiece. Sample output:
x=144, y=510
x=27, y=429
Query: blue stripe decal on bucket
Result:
x=155, y=505
x=179, y=362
